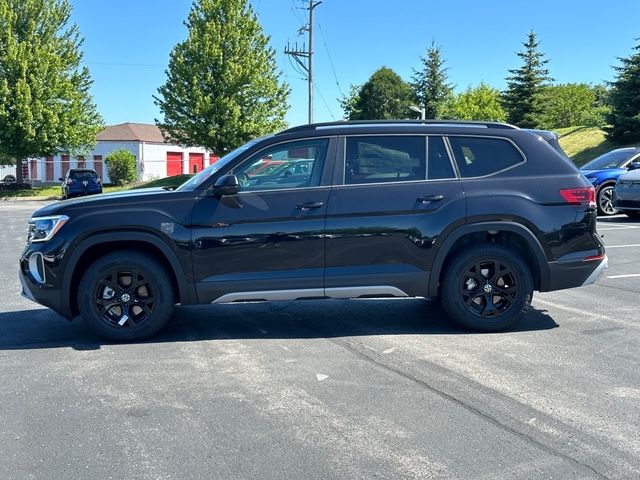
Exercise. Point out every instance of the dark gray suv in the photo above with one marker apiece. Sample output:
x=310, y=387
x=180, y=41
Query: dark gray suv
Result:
x=478, y=214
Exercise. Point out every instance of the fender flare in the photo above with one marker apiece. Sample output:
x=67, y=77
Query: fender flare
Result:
x=185, y=293
x=519, y=229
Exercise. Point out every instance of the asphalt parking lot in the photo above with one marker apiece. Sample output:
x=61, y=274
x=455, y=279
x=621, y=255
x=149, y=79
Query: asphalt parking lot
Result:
x=328, y=389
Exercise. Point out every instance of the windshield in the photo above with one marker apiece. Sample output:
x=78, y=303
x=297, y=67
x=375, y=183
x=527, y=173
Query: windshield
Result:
x=613, y=159
x=197, y=180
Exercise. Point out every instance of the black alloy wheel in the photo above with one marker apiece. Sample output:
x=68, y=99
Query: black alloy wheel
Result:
x=487, y=287
x=124, y=298
x=127, y=295
x=605, y=200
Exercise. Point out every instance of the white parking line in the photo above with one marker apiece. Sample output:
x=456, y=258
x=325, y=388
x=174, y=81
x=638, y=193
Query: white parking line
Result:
x=623, y=246
x=624, y=276
x=621, y=227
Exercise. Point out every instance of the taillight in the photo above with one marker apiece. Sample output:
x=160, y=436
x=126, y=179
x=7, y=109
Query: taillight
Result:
x=579, y=196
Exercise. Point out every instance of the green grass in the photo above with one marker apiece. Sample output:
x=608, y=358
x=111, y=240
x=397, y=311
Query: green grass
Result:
x=165, y=182
x=54, y=191
x=583, y=144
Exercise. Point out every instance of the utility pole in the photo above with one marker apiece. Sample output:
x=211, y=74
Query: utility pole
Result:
x=304, y=58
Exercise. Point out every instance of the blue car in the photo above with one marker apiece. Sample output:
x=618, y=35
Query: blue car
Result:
x=603, y=172
x=79, y=182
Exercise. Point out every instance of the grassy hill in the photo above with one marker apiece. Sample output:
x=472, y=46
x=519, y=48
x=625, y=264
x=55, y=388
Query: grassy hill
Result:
x=585, y=143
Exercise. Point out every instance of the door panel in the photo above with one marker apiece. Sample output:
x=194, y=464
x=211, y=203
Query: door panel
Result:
x=258, y=241
x=270, y=236
x=384, y=233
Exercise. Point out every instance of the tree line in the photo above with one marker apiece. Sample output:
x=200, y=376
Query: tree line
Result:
x=529, y=101
x=223, y=86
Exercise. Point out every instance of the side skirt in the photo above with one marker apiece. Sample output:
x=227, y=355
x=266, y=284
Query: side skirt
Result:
x=309, y=293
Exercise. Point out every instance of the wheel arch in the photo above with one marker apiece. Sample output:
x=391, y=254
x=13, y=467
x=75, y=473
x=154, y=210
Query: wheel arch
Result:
x=97, y=245
x=510, y=234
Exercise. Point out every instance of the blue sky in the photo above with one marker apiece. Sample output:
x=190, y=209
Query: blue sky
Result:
x=127, y=44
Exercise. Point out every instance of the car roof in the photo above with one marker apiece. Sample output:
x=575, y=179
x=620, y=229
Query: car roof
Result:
x=390, y=126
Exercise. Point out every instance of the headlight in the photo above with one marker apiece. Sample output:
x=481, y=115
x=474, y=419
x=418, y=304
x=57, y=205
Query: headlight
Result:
x=42, y=229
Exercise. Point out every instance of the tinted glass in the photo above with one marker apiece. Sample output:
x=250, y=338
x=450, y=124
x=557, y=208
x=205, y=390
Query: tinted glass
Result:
x=83, y=175
x=289, y=165
x=439, y=163
x=479, y=156
x=609, y=160
x=385, y=159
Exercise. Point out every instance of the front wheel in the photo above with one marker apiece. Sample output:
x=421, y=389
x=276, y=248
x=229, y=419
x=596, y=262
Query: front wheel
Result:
x=126, y=296
x=605, y=201
x=487, y=288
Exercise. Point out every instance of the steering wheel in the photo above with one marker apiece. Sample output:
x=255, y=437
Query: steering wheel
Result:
x=243, y=179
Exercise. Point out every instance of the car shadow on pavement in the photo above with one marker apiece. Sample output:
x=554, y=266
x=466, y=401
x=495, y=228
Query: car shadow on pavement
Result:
x=42, y=328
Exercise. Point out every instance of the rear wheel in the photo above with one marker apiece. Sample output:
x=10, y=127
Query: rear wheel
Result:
x=126, y=296
x=487, y=288
x=605, y=200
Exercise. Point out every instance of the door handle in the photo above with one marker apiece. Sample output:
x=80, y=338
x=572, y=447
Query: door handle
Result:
x=309, y=205
x=429, y=198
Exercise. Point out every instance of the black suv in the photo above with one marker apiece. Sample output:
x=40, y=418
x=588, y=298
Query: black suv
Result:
x=478, y=214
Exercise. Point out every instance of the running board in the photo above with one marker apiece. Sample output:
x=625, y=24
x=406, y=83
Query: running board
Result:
x=311, y=293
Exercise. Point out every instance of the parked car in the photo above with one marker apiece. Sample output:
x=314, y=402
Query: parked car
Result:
x=603, y=172
x=478, y=214
x=626, y=195
x=80, y=181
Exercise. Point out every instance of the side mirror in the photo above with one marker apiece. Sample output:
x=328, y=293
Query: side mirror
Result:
x=226, y=185
x=634, y=166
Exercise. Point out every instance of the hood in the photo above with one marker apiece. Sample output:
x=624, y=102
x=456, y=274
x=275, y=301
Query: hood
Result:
x=121, y=198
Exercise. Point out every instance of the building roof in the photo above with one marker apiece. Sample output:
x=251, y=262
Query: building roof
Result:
x=131, y=132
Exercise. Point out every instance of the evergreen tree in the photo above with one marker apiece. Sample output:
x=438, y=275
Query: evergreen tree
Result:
x=45, y=104
x=521, y=99
x=384, y=96
x=430, y=83
x=624, y=97
x=222, y=86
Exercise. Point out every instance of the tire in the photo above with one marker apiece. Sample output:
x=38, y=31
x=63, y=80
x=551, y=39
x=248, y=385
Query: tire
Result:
x=605, y=201
x=474, y=296
x=9, y=179
x=632, y=213
x=126, y=296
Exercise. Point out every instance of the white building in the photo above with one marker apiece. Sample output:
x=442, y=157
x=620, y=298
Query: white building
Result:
x=154, y=157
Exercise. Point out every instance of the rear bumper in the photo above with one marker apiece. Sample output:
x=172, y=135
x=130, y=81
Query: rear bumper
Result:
x=575, y=274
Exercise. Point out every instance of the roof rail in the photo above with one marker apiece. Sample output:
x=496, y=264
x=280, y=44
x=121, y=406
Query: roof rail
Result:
x=380, y=123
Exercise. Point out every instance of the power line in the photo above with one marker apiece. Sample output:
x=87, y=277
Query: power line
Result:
x=335, y=76
x=333, y=117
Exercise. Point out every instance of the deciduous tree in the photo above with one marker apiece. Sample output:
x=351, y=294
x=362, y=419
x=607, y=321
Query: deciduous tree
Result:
x=222, y=86
x=476, y=103
x=384, y=96
x=45, y=104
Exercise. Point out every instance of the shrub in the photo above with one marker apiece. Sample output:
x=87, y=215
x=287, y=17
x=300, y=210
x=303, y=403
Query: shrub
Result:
x=121, y=167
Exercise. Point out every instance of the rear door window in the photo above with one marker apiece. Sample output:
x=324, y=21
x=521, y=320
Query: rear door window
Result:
x=480, y=156
x=379, y=159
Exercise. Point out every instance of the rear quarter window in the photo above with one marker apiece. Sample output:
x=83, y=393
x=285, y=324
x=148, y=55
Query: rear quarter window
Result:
x=480, y=156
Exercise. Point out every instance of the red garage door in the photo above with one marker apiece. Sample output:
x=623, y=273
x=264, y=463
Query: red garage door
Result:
x=196, y=162
x=49, y=169
x=174, y=164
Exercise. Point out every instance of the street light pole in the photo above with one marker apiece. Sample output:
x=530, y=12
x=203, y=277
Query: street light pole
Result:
x=421, y=110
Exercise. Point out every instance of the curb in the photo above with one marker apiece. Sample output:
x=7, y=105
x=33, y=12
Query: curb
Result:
x=25, y=199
